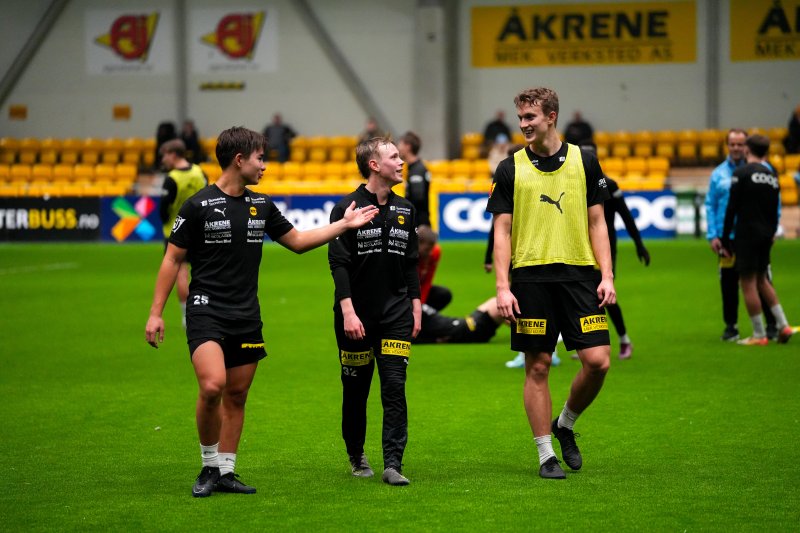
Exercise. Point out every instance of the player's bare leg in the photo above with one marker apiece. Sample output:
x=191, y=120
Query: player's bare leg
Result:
x=539, y=407
x=209, y=367
x=233, y=401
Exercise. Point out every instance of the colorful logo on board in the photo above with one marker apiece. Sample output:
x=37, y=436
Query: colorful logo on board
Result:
x=130, y=36
x=133, y=218
x=236, y=34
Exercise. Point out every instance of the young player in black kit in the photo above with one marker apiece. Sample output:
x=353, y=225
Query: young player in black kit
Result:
x=550, y=234
x=753, y=203
x=418, y=184
x=377, y=307
x=611, y=207
x=220, y=231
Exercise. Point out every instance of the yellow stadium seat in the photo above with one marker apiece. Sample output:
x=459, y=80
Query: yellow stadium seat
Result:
x=602, y=139
x=42, y=172
x=351, y=174
x=28, y=151
x=49, y=149
x=472, y=138
x=104, y=172
x=20, y=172
x=132, y=149
x=711, y=142
x=70, y=151
x=125, y=173
x=621, y=143
x=9, y=147
x=643, y=143
x=776, y=160
x=298, y=148
x=5, y=172
x=333, y=171
x=62, y=172
x=317, y=149
x=470, y=152
x=460, y=169
x=439, y=169
x=273, y=171
x=613, y=166
x=791, y=162
x=342, y=148
x=756, y=131
x=687, y=146
x=111, y=152
x=10, y=189
x=635, y=166
x=90, y=151
x=657, y=167
x=312, y=171
x=211, y=170
x=777, y=134
x=209, y=145
x=292, y=171
x=481, y=171
x=517, y=138
x=149, y=153
x=665, y=142
x=82, y=172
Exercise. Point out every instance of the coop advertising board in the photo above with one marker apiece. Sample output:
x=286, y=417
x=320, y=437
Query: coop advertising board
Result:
x=464, y=216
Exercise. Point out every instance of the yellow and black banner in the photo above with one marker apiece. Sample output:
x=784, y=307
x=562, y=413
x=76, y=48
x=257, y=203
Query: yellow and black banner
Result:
x=49, y=219
x=584, y=34
x=765, y=30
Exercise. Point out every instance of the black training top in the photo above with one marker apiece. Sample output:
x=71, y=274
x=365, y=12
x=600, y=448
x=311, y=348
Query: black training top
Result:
x=223, y=236
x=753, y=202
x=418, y=191
x=375, y=265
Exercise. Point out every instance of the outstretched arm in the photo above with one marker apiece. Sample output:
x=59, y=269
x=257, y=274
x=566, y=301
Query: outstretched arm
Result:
x=302, y=241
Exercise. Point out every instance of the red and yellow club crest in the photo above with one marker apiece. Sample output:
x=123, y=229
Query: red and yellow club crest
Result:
x=130, y=36
x=237, y=34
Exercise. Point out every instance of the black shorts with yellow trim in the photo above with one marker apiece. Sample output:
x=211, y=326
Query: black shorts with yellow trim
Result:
x=571, y=308
x=238, y=348
x=390, y=338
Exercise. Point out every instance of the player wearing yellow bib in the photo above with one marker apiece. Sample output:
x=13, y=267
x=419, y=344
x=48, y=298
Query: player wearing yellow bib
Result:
x=550, y=233
x=182, y=181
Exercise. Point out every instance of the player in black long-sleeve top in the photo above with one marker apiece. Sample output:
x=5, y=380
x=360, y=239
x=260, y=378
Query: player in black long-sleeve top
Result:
x=377, y=309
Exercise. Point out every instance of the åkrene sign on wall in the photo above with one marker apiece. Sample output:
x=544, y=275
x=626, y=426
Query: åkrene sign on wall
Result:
x=584, y=34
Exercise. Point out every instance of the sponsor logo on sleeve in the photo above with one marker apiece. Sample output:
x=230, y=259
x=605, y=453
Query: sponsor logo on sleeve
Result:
x=179, y=220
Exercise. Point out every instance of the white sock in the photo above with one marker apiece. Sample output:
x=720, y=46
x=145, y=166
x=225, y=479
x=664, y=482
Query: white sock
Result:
x=544, y=445
x=210, y=454
x=567, y=418
x=780, y=316
x=183, y=314
x=625, y=339
x=758, y=326
x=227, y=463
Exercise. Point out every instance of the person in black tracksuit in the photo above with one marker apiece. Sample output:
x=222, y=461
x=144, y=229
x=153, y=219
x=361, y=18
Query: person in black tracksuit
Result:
x=377, y=309
x=753, y=212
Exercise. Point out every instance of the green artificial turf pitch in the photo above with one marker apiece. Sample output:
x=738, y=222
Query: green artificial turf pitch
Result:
x=98, y=433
